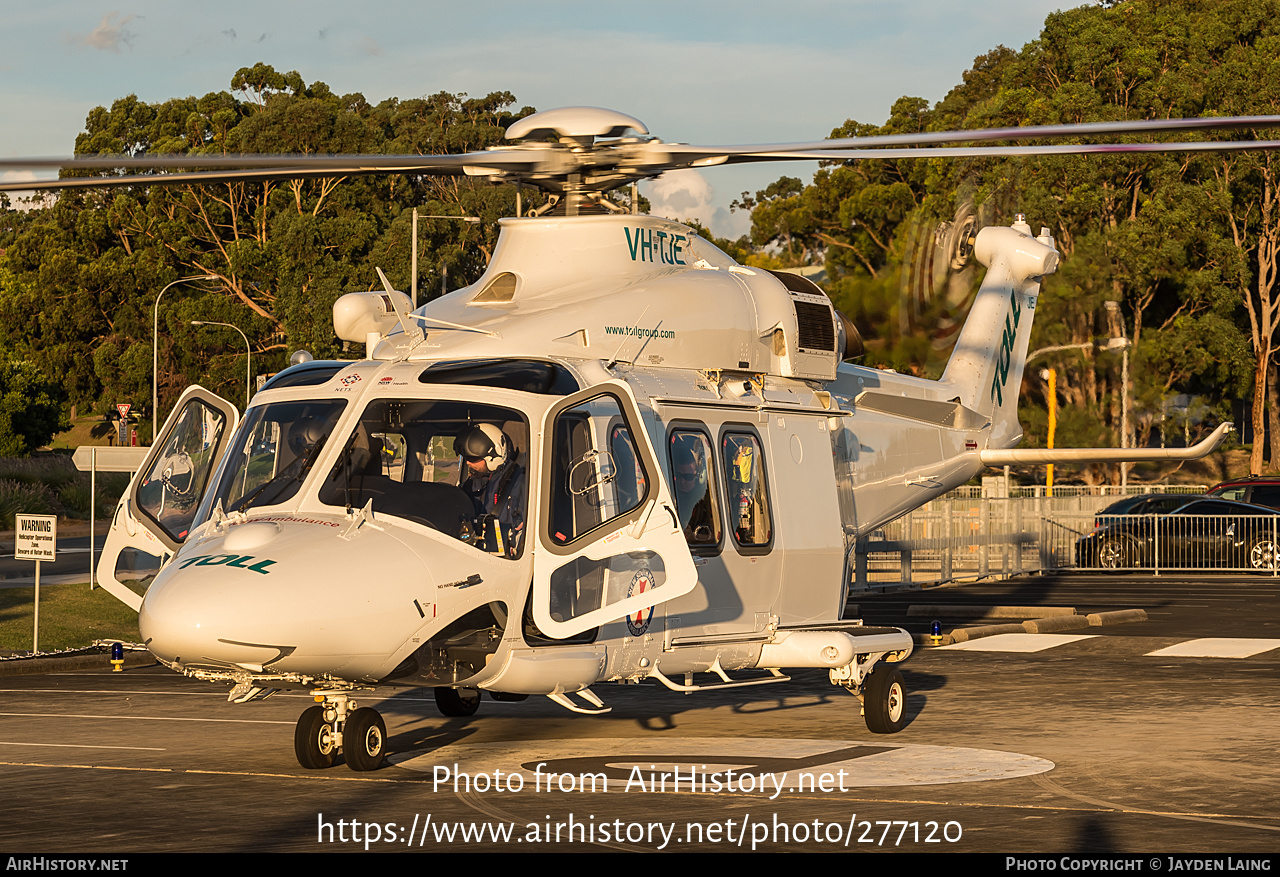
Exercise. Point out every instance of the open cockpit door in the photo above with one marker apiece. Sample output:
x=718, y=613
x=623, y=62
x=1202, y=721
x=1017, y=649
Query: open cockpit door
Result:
x=156, y=512
x=609, y=539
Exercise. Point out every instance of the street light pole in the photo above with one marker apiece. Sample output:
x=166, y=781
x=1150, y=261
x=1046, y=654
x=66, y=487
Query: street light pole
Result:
x=1051, y=377
x=248, y=355
x=444, y=282
x=1114, y=308
x=155, y=353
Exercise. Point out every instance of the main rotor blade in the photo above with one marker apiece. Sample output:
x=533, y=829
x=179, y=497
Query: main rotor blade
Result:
x=1031, y=132
x=610, y=164
x=192, y=178
x=256, y=168
x=1013, y=151
x=346, y=164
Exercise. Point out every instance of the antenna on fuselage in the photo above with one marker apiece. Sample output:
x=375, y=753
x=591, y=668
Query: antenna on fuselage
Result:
x=623, y=343
x=400, y=314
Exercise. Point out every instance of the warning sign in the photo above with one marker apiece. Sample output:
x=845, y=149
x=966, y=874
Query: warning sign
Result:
x=36, y=537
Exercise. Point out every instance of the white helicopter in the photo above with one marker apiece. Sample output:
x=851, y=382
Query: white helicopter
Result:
x=619, y=456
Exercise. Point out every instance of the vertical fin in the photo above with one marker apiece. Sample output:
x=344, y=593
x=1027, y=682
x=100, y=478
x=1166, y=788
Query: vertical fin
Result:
x=985, y=369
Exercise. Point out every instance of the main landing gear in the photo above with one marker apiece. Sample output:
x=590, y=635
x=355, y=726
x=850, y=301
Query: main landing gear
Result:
x=881, y=689
x=336, y=726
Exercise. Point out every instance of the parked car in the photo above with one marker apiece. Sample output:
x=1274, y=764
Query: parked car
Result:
x=1205, y=532
x=1256, y=489
x=1143, y=504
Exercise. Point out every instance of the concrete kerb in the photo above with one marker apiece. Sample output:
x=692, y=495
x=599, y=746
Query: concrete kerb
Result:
x=1118, y=616
x=1056, y=618
x=946, y=610
x=1057, y=622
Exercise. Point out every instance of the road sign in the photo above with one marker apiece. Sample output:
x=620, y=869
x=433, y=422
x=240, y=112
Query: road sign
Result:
x=123, y=409
x=36, y=537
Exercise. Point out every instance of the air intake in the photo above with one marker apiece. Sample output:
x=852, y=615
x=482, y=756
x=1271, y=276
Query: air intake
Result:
x=817, y=329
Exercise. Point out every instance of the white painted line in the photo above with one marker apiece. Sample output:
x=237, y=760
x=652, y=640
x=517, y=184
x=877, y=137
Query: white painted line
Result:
x=1019, y=642
x=81, y=746
x=716, y=765
x=129, y=691
x=147, y=718
x=1217, y=647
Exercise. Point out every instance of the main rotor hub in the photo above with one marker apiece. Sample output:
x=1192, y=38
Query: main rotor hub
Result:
x=576, y=124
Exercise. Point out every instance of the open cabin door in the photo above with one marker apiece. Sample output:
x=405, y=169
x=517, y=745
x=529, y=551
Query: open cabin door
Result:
x=155, y=513
x=609, y=539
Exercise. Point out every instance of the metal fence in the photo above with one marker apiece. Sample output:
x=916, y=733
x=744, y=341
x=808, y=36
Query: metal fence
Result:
x=960, y=537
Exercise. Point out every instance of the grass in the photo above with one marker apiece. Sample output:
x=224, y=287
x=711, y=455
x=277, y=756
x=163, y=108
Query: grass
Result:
x=71, y=616
x=50, y=484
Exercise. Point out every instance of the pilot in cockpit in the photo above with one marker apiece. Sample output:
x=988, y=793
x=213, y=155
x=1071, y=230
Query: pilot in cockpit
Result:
x=495, y=482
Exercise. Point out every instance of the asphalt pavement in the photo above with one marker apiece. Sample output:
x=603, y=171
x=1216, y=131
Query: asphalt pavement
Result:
x=1149, y=741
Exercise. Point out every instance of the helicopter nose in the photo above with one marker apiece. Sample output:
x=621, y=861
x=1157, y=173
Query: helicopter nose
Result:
x=202, y=623
x=285, y=597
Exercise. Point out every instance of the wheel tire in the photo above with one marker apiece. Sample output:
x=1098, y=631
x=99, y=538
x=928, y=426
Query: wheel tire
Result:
x=457, y=703
x=1264, y=555
x=364, y=740
x=884, y=700
x=313, y=740
x=1113, y=554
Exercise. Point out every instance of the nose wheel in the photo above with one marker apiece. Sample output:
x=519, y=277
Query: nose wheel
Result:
x=324, y=730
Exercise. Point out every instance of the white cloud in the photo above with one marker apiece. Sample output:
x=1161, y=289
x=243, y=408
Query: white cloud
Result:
x=686, y=194
x=110, y=34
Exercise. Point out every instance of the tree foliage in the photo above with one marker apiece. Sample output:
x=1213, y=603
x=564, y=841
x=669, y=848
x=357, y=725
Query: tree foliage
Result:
x=31, y=411
x=86, y=269
x=1186, y=245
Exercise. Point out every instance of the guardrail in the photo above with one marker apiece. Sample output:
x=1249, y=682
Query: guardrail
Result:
x=956, y=538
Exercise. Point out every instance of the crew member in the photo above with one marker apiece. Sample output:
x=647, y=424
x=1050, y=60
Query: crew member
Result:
x=496, y=484
x=693, y=493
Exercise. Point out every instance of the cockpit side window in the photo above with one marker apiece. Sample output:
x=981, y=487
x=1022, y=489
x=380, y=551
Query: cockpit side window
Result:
x=596, y=472
x=456, y=467
x=169, y=494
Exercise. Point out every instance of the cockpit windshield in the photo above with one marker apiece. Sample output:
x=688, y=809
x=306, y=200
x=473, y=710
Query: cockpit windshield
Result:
x=273, y=452
x=457, y=467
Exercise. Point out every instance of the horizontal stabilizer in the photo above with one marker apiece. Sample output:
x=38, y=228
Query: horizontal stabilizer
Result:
x=1105, y=455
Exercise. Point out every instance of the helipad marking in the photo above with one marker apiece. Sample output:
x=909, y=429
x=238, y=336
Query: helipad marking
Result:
x=1019, y=642
x=1217, y=647
x=713, y=765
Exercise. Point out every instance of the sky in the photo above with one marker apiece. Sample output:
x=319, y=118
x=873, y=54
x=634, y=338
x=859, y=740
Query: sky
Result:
x=698, y=71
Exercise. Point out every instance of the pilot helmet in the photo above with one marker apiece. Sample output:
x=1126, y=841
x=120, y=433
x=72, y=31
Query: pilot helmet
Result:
x=484, y=441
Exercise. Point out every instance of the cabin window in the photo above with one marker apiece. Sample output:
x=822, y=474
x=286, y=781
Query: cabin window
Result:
x=746, y=494
x=693, y=488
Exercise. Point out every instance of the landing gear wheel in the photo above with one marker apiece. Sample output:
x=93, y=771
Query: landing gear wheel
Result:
x=313, y=740
x=884, y=700
x=1113, y=554
x=364, y=740
x=458, y=703
x=1263, y=556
